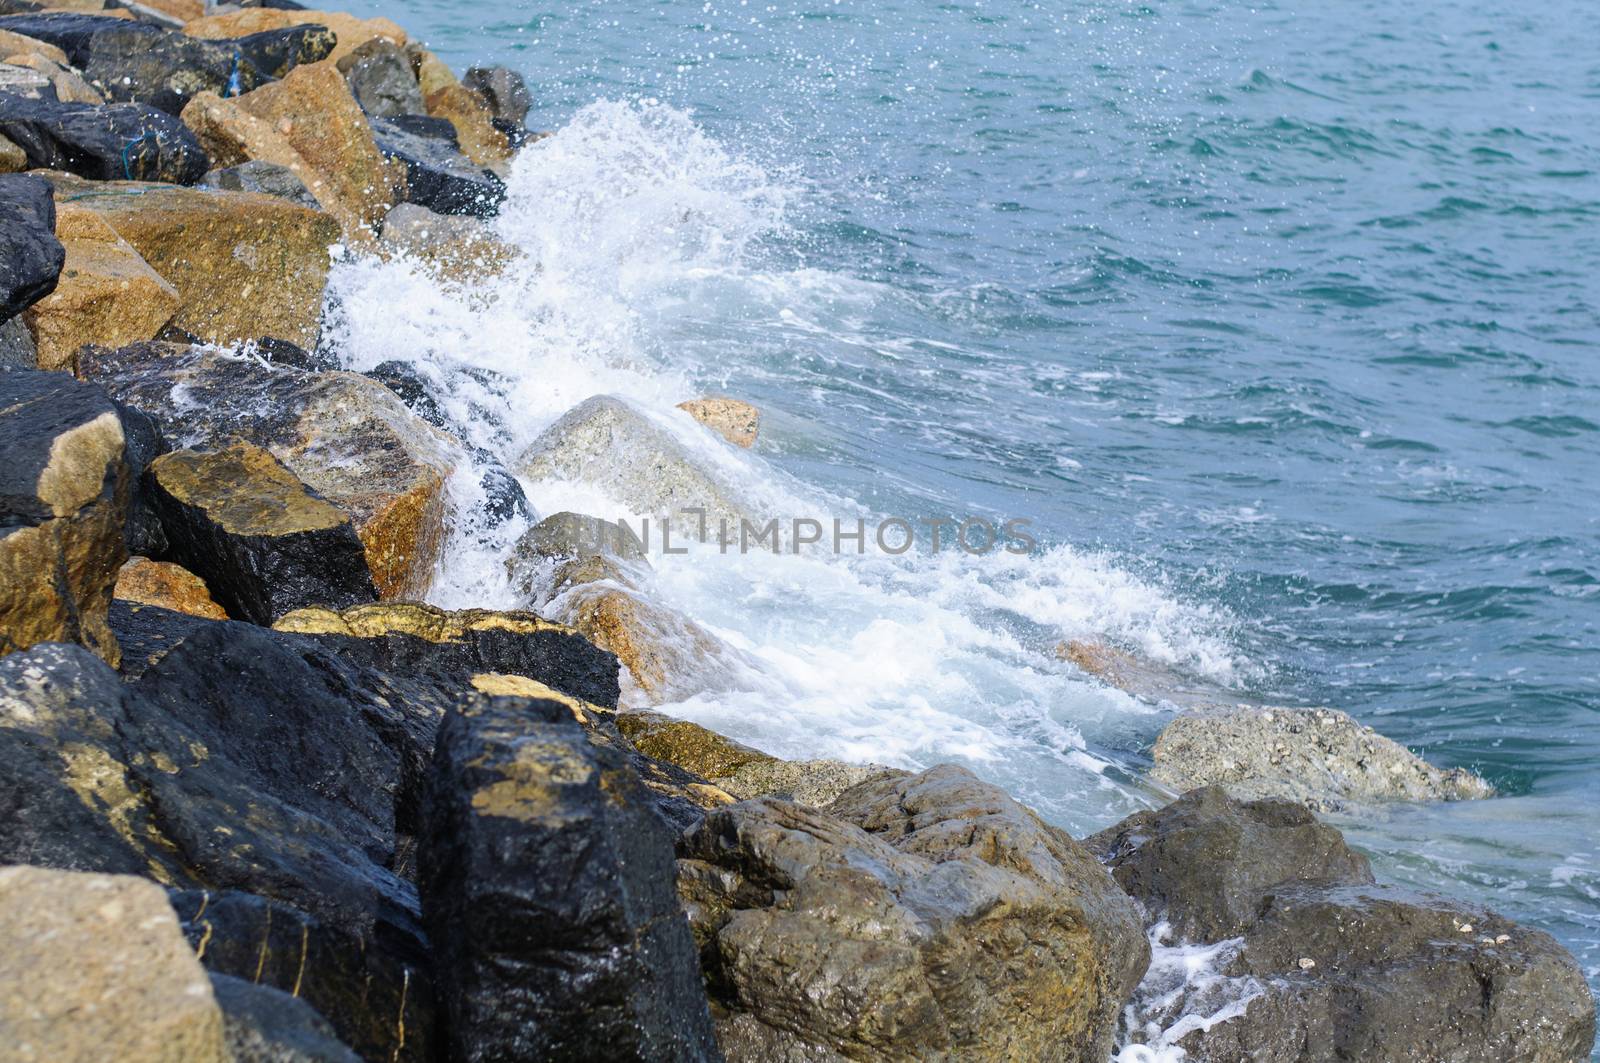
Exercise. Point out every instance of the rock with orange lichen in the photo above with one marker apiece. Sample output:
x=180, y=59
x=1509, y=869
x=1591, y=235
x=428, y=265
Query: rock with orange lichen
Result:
x=170, y=586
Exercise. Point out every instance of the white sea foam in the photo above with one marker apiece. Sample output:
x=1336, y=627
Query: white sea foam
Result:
x=1184, y=990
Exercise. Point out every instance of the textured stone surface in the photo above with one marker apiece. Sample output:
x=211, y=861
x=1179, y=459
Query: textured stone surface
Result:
x=381, y=79
x=127, y=141
x=68, y=85
x=349, y=438
x=548, y=891
x=266, y=178
x=454, y=248
x=93, y=967
x=63, y=500
x=31, y=256
x=12, y=158
x=737, y=422
x=266, y=1025
x=503, y=90
x=437, y=175
x=12, y=43
x=928, y=917
x=350, y=31
x=162, y=583
x=264, y=543
x=107, y=292
x=432, y=72
x=480, y=141
x=17, y=349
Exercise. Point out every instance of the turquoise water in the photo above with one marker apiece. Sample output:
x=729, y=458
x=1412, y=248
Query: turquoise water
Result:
x=1278, y=320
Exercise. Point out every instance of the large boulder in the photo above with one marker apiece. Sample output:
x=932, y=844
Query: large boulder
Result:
x=438, y=176
x=31, y=256
x=548, y=892
x=928, y=917
x=381, y=79
x=244, y=265
x=142, y=581
x=121, y=142
x=349, y=438
x=93, y=967
x=264, y=543
x=267, y=1025
x=1321, y=758
x=1324, y=965
x=350, y=32
x=107, y=293
x=63, y=499
x=503, y=91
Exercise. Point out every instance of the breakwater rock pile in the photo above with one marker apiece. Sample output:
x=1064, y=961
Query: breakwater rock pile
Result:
x=258, y=803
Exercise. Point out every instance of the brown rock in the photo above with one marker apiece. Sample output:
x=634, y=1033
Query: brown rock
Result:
x=12, y=158
x=15, y=44
x=64, y=492
x=737, y=422
x=106, y=294
x=351, y=31
x=94, y=967
x=480, y=140
x=69, y=84
x=432, y=73
x=688, y=745
x=245, y=265
x=183, y=10
x=169, y=586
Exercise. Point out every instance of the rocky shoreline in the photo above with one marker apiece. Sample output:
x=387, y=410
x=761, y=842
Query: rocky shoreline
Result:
x=259, y=805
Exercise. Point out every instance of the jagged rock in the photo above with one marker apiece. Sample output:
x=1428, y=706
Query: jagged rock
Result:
x=1204, y=862
x=17, y=349
x=107, y=293
x=350, y=31
x=381, y=79
x=438, y=176
x=263, y=542
x=480, y=141
x=349, y=438
x=377, y=997
x=244, y=265
x=1321, y=758
x=128, y=141
x=737, y=422
x=266, y=178
x=12, y=44
x=161, y=583
x=63, y=500
x=548, y=892
x=457, y=248
x=266, y=1025
x=928, y=917
x=30, y=255
x=12, y=158
x=432, y=72
x=502, y=90
x=93, y=967
x=64, y=81
x=1328, y=966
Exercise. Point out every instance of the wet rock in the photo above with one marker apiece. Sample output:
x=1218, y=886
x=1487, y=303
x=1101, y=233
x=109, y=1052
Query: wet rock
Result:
x=737, y=422
x=275, y=52
x=263, y=542
x=143, y=444
x=548, y=891
x=928, y=917
x=349, y=438
x=17, y=349
x=127, y=141
x=1145, y=679
x=458, y=249
x=349, y=31
x=503, y=90
x=161, y=583
x=244, y=265
x=30, y=255
x=1319, y=757
x=266, y=1025
x=107, y=293
x=381, y=79
x=1325, y=964
x=438, y=176
x=93, y=967
x=1204, y=862
x=63, y=500
x=480, y=141
x=265, y=178
x=12, y=158
x=376, y=998
x=565, y=536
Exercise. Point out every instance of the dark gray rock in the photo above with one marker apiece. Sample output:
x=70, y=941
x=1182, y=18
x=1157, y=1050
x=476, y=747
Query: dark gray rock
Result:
x=503, y=89
x=30, y=255
x=266, y=1025
x=274, y=53
x=547, y=883
x=266, y=178
x=1203, y=862
x=143, y=532
x=438, y=176
x=127, y=141
x=921, y=917
x=382, y=81
x=17, y=349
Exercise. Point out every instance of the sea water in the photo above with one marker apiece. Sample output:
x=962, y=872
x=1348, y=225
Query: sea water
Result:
x=1278, y=321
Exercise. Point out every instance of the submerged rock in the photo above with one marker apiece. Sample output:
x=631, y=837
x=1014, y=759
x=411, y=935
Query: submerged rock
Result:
x=1329, y=966
x=31, y=256
x=737, y=422
x=121, y=142
x=548, y=890
x=93, y=967
x=142, y=581
x=928, y=917
x=63, y=501
x=381, y=79
x=350, y=439
x=266, y=1025
x=1319, y=757
x=263, y=542
x=108, y=293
